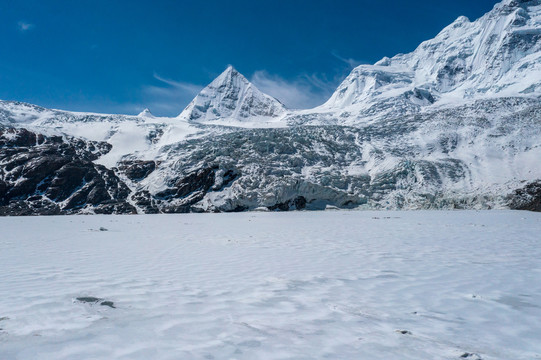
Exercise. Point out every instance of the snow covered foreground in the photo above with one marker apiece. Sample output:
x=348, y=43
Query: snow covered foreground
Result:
x=338, y=285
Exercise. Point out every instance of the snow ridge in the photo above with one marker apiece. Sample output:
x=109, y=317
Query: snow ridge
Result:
x=498, y=55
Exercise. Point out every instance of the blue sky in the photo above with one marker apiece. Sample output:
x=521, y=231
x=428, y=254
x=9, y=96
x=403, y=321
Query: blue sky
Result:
x=123, y=56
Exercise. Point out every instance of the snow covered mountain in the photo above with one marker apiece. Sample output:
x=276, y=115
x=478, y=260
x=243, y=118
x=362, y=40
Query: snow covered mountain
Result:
x=498, y=55
x=454, y=124
x=231, y=98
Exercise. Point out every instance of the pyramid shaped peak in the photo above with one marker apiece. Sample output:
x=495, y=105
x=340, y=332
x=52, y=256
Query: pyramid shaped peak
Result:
x=230, y=69
x=232, y=96
x=145, y=113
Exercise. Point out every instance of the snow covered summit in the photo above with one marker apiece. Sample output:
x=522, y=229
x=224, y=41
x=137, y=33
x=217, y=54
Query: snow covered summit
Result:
x=232, y=98
x=498, y=55
x=146, y=114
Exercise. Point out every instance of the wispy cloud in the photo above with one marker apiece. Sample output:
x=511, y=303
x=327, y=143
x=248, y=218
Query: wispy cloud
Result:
x=352, y=63
x=303, y=92
x=24, y=26
x=180, y=85
x=170, y=97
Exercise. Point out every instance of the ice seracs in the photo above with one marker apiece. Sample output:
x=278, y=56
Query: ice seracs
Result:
x=231, y=98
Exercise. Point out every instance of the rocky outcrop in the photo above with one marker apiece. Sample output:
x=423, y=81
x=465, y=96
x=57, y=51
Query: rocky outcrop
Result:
x=297, y=203
x=50, y=175
x=192, y=188
x=527, y=198
x=137, y=170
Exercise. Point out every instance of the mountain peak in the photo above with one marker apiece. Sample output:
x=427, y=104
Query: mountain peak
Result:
x=509, y=6
x=231, y=96
x=228, y=73
x=146, y=113
x=496, y=55
x=229, y=77
x=516, y=3
x=462, y=20
x=230, y=69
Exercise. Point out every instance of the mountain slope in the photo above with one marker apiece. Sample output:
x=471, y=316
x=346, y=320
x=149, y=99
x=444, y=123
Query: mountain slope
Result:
x=422, y=161
x=498, y=55
x=53, y=175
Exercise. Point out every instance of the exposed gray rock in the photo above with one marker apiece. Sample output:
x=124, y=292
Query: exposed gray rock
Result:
x=527, y=198
x=42, y=175
x=94, y=300
x=137, y=170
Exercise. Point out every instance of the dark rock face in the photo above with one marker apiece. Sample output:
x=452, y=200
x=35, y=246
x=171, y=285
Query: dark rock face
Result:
x=42, y=175
x=185, y=191
x=192, y=188
x=145, y=202
x=527, y=198
x=94, y=300
x=297, y=203
x=137, y=170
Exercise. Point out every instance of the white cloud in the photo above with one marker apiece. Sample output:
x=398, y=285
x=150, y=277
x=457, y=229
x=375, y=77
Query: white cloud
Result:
x=25, y=26
x=304, y=92
x=181, y=86
x=170, y=97
x=352, y=63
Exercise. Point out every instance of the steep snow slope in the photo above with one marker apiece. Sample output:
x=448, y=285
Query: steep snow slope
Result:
x=232, y=100
x=497, y=55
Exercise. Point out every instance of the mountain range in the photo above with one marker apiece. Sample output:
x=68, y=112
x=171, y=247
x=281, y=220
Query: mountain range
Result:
x=454, y=124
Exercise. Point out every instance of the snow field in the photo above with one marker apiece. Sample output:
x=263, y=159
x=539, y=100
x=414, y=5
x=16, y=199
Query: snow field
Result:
x=303, y=285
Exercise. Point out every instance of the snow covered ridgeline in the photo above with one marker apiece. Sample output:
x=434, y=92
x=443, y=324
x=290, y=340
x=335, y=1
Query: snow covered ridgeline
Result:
x=340, y=285
x=498, y=55
x=426, y=160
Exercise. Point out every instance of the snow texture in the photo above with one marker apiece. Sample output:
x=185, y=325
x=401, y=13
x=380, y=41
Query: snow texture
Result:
x=454, y=124
x=335, y=284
